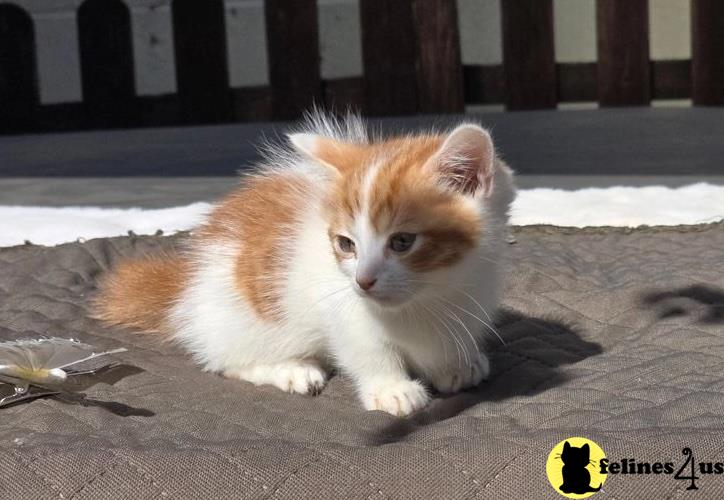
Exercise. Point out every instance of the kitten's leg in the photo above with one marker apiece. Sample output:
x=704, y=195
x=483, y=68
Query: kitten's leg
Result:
x=448, y=364
x=457, y=376
x=380, y=375
x=302, y=376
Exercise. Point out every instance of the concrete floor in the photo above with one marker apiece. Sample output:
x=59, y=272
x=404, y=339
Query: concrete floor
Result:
x=174, y=166
x=158, y=192
x=601, y=142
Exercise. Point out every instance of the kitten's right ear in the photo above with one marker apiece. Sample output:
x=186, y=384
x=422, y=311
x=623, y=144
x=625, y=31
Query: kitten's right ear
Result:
x=466, y=160
x=321, y=149
x=566, y=446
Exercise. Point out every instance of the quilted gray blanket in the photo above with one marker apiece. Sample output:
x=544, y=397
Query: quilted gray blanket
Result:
x=613, y=335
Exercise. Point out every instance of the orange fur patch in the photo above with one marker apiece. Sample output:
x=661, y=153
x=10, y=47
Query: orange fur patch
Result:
x=262, y=218
x=404, y=197
x=140, y=293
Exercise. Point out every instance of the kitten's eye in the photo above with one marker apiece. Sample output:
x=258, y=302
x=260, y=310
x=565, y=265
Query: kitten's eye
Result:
x=401, y=242
x=344, y=244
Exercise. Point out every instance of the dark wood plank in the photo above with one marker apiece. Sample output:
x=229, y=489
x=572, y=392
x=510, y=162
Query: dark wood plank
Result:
x=61, y=117
x=18, y=77
x=671, y=79
x=202, y=74
x=106, y=61
x=440, y=72
x=623, y=52
x=577, y=82
x=158, y=110
x=252, y=104
x=342, y=94
x=293, y=47
x=528, y=54
x=483, y=84
x=388, y=55
x=707, y=17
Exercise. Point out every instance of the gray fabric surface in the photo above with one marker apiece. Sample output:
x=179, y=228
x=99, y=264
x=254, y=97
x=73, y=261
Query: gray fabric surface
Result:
x=616, y=335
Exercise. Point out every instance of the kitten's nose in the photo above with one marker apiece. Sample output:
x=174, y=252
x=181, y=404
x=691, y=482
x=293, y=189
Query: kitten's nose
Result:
x=366, y=283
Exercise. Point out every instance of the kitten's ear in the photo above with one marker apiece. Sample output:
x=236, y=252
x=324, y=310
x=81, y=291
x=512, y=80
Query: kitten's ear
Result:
x=586, y=448
x=466, y=160
x=566, y=446
x=323, y=150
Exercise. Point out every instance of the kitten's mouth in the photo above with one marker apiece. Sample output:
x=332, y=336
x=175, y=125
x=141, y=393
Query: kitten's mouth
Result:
x=381, y=298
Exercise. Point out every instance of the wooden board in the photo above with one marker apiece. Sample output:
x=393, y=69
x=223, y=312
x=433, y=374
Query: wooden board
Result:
x=18, y=77
x=671, y=79
x=528, y=54
x=106, y=61
x=707, y=17
x=342, y=94
x=388, y=56
x=484, y=84
x=440, y=72
x=623, y=52
x=577, y=82
x=293, y=46
x=202, y=74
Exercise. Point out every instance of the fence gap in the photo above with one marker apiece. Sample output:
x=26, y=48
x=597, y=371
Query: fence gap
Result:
x=202, y=74
x=529, y=54
x=18, y=72
x=623, y=52
x=293, y=44
x=106, y=61
x=707, y=71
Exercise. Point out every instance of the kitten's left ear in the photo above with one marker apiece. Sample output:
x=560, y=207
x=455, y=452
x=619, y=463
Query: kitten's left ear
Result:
x=335, y=155
x=466, y=160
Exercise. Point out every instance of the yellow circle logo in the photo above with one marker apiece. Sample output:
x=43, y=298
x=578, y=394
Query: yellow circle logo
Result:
x=574, y=467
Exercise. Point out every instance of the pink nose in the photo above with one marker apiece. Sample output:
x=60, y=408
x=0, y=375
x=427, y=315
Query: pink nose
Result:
x=366, y=283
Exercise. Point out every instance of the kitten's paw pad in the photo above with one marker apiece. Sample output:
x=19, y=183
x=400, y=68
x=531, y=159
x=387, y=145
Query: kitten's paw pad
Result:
x=399, y=398
x=464, y=377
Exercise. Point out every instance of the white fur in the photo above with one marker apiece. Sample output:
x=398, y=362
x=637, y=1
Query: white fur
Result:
x=431, y=333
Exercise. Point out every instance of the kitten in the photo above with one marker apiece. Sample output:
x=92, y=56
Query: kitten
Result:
x=379, y=257
x=576, y=477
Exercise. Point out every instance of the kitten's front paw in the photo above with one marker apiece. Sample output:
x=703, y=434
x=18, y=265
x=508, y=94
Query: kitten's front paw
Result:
x=294, y=376
x=462, y=377
x=398, y=397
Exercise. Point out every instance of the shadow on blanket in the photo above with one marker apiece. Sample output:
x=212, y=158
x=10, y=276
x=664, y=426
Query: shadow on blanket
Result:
x=703, y=301
x=107, y=375
x=527, y=364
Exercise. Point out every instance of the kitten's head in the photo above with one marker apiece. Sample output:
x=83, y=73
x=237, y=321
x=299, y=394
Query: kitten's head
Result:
x=404, y=212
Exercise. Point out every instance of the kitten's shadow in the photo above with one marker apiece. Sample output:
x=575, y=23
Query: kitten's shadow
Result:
x=700, y=301
x=527, y=364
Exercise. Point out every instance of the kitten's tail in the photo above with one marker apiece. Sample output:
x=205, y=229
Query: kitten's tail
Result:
x=140, y=293
x=590, y=489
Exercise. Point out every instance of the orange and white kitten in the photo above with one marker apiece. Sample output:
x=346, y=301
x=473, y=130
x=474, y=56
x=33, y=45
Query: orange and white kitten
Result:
x=379, y=257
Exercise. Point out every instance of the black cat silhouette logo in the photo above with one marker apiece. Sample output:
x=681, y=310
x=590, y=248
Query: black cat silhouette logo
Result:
x=573, y=467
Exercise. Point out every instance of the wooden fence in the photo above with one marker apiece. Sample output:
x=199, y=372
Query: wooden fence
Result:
x=411, y=62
